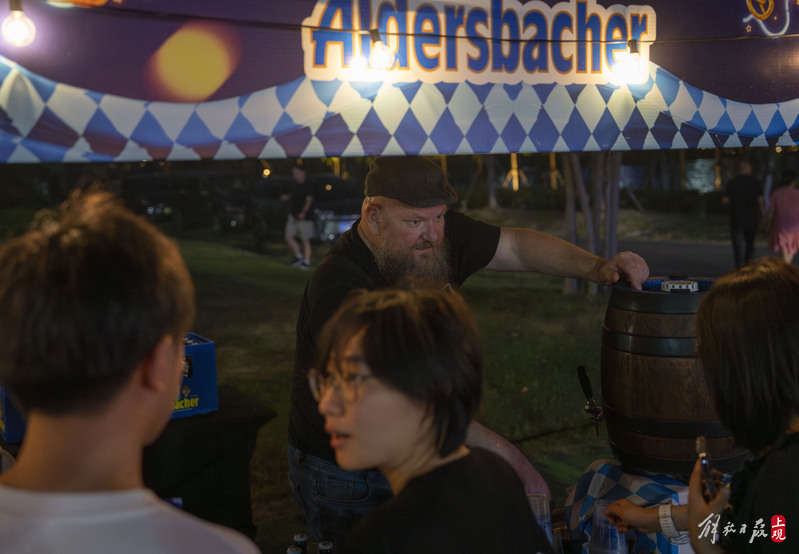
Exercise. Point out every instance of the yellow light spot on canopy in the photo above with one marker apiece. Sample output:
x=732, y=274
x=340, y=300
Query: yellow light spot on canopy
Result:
x=194, y=62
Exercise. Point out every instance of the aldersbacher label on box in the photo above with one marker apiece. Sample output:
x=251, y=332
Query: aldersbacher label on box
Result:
x=12, y=422
x=198, y=391
x=186, y=403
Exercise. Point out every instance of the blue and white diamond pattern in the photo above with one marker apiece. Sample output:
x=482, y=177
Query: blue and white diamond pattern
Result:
x=45, y=121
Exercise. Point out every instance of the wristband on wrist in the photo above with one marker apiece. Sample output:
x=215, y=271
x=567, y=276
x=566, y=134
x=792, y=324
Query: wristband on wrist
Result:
x=666, y=522
x=667, y=527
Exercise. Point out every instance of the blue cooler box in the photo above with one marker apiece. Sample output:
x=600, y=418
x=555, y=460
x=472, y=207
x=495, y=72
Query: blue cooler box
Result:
x=197, y=395
x=12, y=422
x=198, y=392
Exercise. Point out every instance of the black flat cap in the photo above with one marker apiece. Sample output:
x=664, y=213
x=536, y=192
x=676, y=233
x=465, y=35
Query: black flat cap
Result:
x=412, y=180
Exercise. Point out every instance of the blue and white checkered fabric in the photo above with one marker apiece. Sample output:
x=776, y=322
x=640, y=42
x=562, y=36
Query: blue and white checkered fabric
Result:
x=45, y=121
x=604, y=479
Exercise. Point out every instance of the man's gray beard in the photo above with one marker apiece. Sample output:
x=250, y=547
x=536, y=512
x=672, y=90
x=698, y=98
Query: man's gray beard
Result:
x=396, y=269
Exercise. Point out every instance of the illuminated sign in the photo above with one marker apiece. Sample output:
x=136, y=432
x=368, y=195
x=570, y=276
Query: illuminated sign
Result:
x=483, y=41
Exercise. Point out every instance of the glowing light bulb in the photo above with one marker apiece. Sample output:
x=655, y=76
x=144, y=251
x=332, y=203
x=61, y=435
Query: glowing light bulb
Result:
x=629, y=68
x=381, y=57
x=18, y=29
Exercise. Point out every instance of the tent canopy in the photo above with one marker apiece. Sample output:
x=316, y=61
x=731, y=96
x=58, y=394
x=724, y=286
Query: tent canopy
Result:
x=107, y=81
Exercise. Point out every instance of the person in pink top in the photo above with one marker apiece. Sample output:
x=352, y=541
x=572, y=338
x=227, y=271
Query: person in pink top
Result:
x=784, y=218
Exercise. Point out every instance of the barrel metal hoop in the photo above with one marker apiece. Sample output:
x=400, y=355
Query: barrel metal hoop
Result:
x=671, y=347
x=664, y=428
x=680, y=469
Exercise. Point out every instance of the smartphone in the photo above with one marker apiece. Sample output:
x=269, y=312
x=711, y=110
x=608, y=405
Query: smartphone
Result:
x=704, y=460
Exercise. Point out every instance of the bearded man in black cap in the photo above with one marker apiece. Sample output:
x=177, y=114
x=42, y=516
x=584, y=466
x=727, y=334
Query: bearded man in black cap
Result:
x=406, y=232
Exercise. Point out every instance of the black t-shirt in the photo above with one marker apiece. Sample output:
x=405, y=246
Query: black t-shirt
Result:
x=472, y=246
x=474, y=504
x=299, y=194
x=743, y=192
x=765, y=487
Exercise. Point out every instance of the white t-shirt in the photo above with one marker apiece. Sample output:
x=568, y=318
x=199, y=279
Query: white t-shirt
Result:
x=113, y=522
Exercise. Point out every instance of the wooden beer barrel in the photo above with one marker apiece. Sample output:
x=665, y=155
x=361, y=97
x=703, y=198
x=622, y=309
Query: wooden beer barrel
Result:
x=654, y=395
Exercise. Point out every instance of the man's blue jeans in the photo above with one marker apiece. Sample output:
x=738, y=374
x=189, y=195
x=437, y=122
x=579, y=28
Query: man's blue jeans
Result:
x=333, y=498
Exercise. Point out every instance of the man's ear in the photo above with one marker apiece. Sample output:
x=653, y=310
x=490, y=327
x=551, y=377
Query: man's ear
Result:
x=158, y=366
x=373, y=215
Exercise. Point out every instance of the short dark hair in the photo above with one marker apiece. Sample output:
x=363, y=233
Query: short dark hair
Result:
x=84, y=297
x=424, y=343
x=747, y=328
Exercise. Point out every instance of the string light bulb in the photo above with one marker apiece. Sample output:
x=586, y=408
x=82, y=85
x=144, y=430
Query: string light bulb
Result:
x=18, y=29
x=629, y=68
x=381, y=57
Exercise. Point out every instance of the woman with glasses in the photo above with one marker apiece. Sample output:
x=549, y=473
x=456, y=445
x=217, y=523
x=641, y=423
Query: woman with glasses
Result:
x=398, y=380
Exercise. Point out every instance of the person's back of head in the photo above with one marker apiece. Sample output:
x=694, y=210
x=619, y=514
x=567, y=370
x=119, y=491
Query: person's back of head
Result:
x=747, y=326
x=745, y=167
x=84, y=297
x=421, y=341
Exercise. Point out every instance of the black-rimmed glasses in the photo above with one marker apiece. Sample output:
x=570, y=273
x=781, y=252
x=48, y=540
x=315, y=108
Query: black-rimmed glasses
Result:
x=346, y=386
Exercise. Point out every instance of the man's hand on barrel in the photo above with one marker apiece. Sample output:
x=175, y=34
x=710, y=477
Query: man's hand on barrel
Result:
x=624, y=265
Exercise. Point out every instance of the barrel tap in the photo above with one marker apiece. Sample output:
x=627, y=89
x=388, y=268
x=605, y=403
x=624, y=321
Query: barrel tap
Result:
x=591, y=407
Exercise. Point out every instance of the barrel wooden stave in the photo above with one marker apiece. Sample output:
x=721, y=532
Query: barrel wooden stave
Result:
x=677, y=391
x=650, y=324
x=646, y=453
x=654, y=393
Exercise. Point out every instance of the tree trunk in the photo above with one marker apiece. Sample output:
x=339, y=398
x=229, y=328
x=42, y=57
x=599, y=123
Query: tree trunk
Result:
x=613, y=168
x=554, y=175
x=585, y=207
x=665, y=173
x=491, y=179
x=569, y=285
x=683, y=171
x=597, y=180
x=476, y=176
x=676, y=157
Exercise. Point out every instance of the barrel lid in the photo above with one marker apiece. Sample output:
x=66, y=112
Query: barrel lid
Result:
x=653, y=299
x=683, y=285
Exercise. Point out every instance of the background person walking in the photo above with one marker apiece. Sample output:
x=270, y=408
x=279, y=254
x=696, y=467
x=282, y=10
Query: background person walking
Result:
x=300, y=224
x=744, y=195
x=783, y=218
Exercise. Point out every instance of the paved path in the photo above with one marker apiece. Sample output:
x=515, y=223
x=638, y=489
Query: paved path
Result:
x=692, y=258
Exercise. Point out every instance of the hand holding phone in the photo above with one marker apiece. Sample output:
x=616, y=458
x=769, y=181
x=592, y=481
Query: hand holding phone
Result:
x=704, y=460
